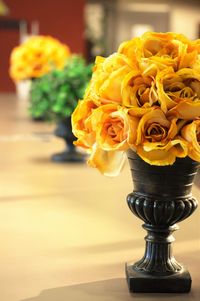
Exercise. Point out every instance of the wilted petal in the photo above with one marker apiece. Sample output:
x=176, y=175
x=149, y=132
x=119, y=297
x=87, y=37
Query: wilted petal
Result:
x=165, y=101
x=81, y=123
x=158, y=157
x=190, y=133
x=109, y=163
x=158, y=154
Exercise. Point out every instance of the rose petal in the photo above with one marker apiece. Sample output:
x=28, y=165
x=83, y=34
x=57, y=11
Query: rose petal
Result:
x=109, y=163
x=157, y=157
x=165, y=101
x=189, y=133
x=155, y=154
x=81, y=123
x=153, y=116
x=186, y=109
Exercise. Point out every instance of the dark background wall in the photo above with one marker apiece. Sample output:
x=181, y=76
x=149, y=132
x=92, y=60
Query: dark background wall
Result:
x=63, y=19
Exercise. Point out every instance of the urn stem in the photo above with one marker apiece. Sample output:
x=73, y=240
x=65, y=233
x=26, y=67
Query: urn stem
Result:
x=158, y=258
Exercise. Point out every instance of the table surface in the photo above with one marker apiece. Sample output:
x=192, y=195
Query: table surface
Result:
x=66, y=230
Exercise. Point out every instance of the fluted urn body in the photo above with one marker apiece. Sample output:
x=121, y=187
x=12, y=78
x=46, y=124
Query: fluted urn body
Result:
x=161, y=198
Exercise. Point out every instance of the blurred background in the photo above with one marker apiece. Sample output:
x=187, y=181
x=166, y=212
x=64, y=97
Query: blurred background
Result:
x=92, y=27
x=66, y=231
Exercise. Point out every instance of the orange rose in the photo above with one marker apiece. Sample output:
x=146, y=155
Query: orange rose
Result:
x=115, y=131
x=114, y=128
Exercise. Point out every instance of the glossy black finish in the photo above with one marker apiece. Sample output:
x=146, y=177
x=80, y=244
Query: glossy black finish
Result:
x=161, y=198
x=64, y=131
x=143, y=283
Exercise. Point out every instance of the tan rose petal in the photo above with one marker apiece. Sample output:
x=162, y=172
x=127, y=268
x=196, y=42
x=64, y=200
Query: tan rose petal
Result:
x=109, y=163
x=190, y=133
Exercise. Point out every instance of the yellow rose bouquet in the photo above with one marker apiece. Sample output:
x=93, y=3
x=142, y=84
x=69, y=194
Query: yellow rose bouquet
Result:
x=36, y=57
x=144, y=97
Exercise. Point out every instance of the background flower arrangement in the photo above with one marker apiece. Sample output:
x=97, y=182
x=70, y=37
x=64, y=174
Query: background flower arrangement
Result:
x=145, y=97
x=36, y=57
x=54, y=96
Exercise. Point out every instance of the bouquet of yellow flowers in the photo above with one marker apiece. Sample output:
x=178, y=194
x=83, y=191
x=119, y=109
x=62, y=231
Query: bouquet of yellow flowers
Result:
x=36, y=57
x=144, y=97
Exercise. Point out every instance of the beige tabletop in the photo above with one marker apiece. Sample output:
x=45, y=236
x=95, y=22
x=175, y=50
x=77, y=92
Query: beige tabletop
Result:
x=66, y=230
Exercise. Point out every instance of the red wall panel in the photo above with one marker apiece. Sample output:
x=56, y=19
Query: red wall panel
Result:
x=63, y=19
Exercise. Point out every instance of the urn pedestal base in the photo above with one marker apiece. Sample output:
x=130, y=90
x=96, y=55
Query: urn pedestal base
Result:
x=144, y=283
x=161, y=198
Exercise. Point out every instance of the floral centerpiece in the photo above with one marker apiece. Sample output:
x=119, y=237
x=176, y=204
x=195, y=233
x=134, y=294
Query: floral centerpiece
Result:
x=54, y=97
x=145, y=97
x=144, y=100
x=36, y=57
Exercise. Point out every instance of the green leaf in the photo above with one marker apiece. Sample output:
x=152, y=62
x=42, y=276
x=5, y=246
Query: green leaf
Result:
x=55, y=95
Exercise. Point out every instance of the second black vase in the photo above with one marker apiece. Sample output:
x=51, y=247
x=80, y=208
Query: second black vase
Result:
x=64, y=131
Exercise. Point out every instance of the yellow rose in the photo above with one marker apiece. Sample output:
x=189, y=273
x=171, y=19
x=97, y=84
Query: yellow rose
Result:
x=114, y=128
x=146, y=97
x=81, y=123
x=178, y=89
x=106, y=82
x=157, y=142
x=156, y=51
x=115, y=132
x=138, y=91
x=131, y=49
x=191, y=133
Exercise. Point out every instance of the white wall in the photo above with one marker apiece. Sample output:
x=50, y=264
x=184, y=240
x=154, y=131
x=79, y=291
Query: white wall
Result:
x=185, y=19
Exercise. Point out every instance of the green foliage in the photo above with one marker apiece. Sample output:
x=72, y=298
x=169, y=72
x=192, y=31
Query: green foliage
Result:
x=54, y=96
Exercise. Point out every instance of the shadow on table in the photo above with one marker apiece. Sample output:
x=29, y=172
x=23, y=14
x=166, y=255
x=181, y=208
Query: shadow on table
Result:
x=106, y=290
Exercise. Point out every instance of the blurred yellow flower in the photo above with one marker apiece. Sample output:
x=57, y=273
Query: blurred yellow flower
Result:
x=36, y=57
